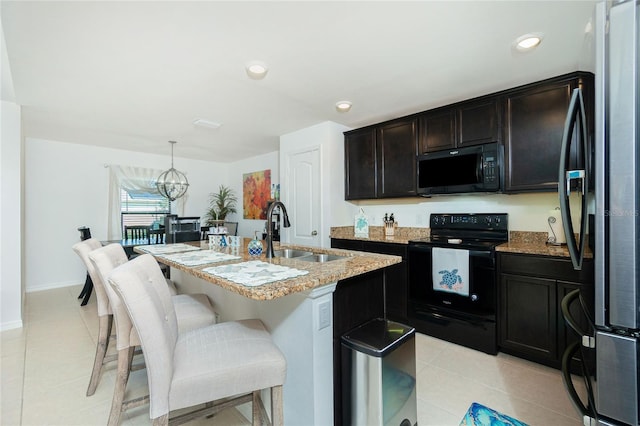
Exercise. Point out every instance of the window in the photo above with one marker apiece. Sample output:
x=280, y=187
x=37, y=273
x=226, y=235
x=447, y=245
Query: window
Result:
x=143, y=208
x=134, y=199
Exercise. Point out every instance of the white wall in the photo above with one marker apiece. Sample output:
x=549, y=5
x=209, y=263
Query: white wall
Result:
x=66, y=186
x=329, y=137
x=527, y=212
x=247, y=227
x=12, y=290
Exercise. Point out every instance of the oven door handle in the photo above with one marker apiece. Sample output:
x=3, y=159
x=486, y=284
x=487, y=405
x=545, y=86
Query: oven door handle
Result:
x=472, y=253
x=449, y=317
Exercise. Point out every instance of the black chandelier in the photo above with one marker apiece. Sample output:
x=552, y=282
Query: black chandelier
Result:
x=172, y=183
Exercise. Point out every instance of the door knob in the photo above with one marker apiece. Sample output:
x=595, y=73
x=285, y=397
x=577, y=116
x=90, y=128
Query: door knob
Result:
x=314, y=233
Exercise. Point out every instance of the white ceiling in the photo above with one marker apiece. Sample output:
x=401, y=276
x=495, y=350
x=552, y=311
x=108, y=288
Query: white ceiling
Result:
x=133, y=75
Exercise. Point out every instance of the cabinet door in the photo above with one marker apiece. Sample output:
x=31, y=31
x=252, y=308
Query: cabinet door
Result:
x=528, y=317
x=534, y=124
x=395, y=279
x=360, y=164
x=397, y=146
x=438, y=130
x=478, y=122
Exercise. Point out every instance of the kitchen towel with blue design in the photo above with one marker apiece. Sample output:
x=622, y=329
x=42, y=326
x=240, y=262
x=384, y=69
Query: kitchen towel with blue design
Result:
x=450, y=270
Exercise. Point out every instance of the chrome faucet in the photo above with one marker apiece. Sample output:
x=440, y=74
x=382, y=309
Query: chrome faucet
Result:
x=285, y=217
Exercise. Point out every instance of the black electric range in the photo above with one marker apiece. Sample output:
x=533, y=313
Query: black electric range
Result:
x=466, y=317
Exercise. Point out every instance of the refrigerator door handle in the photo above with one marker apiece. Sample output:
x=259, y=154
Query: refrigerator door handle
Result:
x=586, y=411
x=575, y=118
x=586, y=335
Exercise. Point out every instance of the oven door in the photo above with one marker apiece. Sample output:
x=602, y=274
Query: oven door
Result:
x=481, y=298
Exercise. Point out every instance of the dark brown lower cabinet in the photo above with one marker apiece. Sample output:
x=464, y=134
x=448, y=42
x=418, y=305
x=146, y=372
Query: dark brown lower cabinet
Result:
x=395, y=277
x=530, y=319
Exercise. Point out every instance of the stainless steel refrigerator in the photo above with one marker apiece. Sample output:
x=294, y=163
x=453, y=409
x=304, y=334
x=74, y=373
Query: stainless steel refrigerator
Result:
x=613, y=398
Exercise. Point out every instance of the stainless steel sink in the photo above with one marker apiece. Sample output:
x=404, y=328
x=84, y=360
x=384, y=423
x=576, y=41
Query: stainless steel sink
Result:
x=291, y=253
x=321, y=257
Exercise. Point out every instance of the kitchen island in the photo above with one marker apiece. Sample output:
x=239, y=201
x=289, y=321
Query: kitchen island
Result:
x=298, y=312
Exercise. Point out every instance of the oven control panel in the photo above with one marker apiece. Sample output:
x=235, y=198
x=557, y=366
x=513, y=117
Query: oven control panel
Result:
x=475, y=221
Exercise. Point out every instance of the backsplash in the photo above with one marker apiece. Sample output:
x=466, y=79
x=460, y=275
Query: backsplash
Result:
x=528, y=237
x=377, y=233
x=527, y=212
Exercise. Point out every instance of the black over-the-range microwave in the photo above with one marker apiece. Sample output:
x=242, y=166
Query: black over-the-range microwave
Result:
x=454, y=171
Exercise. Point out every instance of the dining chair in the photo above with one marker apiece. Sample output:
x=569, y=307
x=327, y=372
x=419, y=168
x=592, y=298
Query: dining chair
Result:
x=105, y=312
x=105, y=317
x=232, y=228
x=220, y=365
x=204, y=232
x=156, y=236
x=192, y=310
x=137, y=232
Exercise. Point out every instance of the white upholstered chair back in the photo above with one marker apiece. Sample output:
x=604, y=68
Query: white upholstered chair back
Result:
x=104, y=260
x=143, y=288
x=82, y=249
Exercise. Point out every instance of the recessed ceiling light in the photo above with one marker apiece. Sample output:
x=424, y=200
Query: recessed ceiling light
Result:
x=206, y=123
x=256, y=70
x=527, y=42
x=343, y=106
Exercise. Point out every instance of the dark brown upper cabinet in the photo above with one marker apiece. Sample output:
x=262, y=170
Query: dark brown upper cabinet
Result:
x=361, y=172
x=380, y=161
x=467, y=123
x=397, y=145
x=437, y=130
x=534, y=122
x=479, y=122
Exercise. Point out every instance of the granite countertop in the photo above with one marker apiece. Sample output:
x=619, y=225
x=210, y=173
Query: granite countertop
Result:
x=376, y=234
x=319, y=274
x=522, y=242
x=535, y=243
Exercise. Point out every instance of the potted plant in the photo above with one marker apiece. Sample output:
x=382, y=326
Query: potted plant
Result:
x=221, y=204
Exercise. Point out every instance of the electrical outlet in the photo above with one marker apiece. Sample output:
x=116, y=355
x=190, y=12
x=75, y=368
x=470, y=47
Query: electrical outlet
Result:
x=324, y=315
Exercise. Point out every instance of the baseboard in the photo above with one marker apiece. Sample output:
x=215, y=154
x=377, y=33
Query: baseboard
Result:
x=54, y=286
x=10, y=325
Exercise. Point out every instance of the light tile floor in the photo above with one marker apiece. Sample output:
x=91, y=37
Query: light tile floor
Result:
x=45, y=368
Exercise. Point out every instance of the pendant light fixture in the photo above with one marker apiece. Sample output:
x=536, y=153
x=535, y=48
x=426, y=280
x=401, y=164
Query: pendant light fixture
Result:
x=172, y=183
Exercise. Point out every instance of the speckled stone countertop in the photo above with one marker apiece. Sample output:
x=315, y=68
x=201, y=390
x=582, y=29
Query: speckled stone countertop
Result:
x=534, y=243
x=376, y=233
x=355, y=263
x=523, y=242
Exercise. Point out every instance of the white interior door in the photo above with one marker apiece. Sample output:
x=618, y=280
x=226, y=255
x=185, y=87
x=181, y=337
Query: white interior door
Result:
x=303, y=197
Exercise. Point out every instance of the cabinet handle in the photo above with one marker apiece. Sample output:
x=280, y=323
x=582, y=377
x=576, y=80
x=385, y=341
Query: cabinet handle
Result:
x=314, y=233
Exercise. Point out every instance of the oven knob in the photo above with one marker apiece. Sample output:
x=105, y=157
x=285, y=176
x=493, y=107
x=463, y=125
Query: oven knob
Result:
x=474, y=297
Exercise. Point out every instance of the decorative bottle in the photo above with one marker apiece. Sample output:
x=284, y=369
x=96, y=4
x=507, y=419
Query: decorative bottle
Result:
x=255, y=246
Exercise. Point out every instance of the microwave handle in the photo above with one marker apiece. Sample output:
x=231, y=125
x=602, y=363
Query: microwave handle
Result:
x=479, y=169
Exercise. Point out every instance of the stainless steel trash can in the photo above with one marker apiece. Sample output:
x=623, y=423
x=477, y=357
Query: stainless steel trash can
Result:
x=381, y=382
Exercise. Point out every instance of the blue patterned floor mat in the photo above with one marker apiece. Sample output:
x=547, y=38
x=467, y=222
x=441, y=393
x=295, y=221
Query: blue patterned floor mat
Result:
x=479, y=415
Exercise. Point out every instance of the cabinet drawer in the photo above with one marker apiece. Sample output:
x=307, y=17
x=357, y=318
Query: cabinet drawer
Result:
x=346, y=244
x=546, y=267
